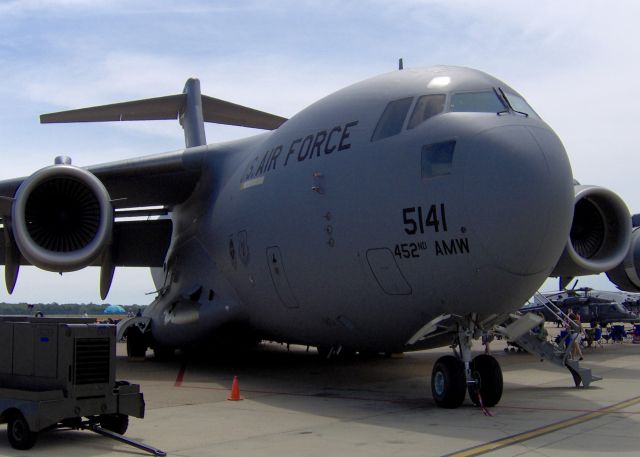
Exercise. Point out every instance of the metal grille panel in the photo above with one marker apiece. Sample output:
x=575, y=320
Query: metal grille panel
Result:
x=92, y=358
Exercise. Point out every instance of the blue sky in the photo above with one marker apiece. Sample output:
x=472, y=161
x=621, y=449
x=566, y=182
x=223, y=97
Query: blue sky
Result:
x=575, y=61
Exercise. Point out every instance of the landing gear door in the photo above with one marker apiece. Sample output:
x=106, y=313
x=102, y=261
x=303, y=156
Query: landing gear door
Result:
x=279, y=277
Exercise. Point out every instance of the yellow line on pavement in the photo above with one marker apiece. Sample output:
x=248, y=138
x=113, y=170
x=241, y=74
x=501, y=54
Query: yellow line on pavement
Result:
x=524, y=436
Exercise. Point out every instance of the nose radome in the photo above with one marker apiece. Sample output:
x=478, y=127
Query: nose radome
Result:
x=519, y=196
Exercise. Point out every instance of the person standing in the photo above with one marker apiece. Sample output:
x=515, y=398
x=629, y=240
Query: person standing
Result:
x=576, y=336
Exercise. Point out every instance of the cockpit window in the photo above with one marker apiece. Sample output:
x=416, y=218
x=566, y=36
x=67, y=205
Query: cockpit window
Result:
x=427, y=106
x=519, y=104
x=476, y=102
x=392, y=119
x=437, y=159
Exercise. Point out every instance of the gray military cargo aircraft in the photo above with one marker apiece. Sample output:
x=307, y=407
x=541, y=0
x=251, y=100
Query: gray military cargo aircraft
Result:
x=412, y=210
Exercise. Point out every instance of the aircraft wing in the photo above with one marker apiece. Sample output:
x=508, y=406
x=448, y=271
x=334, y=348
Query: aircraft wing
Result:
x=140, y=193
x=64, y=218
x=136, y=244
x=160, y=179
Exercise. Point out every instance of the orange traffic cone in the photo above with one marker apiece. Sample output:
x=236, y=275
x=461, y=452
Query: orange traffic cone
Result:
x=235, y=390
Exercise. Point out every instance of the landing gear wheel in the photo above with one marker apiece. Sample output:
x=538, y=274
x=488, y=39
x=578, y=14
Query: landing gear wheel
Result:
x=136, y=344
x=448, y=382
x=20, y=435
x=486, y=371
x=116, y=423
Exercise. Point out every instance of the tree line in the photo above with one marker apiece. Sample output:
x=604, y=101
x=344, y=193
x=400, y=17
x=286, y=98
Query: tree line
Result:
x=57, y=309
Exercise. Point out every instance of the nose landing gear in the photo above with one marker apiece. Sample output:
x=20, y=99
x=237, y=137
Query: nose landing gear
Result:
x=452, y=376
x=487, y=376
x=448, y=383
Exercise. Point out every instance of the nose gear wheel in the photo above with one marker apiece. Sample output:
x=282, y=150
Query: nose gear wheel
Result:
x=486, y=371
x=452, y=375
x=448, y=383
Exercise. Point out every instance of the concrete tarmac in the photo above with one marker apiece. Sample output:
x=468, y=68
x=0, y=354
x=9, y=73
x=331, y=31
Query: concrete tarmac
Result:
x=295, y=404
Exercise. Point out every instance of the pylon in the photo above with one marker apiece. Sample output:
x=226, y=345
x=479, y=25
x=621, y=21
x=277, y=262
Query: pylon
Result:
x=235, y=390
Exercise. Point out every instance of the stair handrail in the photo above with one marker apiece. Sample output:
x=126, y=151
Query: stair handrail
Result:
x=556, y=311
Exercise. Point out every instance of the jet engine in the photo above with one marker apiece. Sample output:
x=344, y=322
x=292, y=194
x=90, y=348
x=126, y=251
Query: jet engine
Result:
x=62, y=217
x=627, y=274
x=600, y=233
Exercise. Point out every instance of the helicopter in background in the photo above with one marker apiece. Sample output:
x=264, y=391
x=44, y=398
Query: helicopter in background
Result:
x=594, y=306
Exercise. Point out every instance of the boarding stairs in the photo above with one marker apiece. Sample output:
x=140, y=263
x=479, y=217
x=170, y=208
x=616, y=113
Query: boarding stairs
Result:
x=519, y=330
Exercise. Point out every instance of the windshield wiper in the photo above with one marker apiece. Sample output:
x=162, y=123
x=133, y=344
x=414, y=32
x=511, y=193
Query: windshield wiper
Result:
x=506, y=99
x=504, y=102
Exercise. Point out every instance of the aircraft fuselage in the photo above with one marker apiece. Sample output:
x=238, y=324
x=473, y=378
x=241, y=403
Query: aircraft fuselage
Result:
x=354, y=224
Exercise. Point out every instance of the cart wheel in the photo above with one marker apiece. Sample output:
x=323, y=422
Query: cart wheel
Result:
x=19, y=434
x=116, y=423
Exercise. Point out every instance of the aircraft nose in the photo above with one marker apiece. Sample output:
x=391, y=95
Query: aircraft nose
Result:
x=519, y=196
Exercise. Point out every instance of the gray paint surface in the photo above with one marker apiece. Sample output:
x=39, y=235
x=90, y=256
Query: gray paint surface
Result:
x=368, y=248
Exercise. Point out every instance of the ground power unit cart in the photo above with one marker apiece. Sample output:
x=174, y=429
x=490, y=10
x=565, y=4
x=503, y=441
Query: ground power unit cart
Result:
x=60, y=373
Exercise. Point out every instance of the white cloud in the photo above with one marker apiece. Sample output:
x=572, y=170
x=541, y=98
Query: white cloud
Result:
x=19, y=7
x=575, y=61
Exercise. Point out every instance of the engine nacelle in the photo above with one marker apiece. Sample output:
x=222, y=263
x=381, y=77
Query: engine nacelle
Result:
x=627, y=274
x=62, y=218
x=600, y=233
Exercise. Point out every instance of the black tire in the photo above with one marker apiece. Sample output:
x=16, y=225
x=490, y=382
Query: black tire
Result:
x=136, y=342
x=20, y=434
x=487, y=372
x=116, y=423
x=448, y=382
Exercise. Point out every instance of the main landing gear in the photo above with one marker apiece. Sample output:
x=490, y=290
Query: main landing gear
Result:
x=453, y=376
